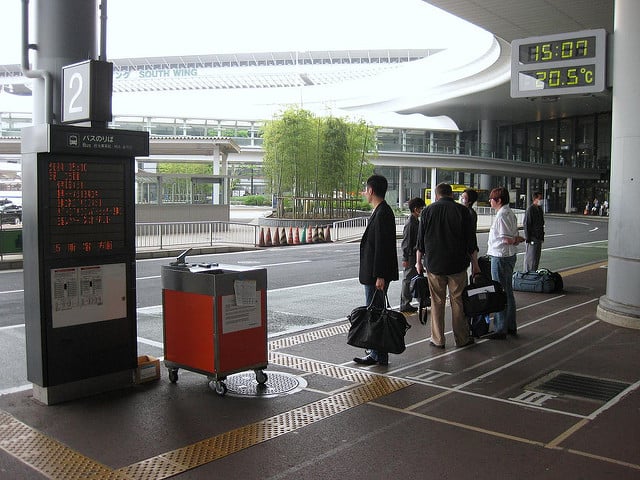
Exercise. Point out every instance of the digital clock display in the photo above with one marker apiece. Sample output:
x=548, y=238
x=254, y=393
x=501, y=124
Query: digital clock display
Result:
x=571, y=63
x=560, y=77
x=553, y=51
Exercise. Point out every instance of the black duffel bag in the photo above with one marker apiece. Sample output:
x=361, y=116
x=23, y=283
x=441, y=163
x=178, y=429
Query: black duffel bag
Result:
x=483, y=296
x=379, y=329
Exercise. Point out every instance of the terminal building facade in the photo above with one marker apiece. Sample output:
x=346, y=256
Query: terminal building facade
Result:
x=191, y=99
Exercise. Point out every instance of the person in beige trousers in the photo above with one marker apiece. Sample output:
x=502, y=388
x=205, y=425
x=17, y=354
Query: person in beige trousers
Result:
x=446, y=241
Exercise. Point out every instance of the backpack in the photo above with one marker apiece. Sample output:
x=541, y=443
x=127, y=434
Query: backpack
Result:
x=419, y=287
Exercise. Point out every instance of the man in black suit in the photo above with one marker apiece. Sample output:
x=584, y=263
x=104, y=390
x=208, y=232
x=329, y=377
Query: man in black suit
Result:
x=378, y=255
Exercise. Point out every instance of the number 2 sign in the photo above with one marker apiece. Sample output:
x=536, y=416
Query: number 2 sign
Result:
x=86, y=92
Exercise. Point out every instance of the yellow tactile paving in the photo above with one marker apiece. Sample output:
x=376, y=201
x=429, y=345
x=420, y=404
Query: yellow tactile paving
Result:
x=48, y=456
x=192, y=456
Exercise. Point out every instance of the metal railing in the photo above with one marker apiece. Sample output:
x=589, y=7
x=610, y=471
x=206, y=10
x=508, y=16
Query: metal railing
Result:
x=180, y=234
x=354, y=227
x=172, y=234
x=349, y=229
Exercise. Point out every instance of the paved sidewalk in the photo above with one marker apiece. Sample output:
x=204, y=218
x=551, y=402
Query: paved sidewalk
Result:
x=560, y=401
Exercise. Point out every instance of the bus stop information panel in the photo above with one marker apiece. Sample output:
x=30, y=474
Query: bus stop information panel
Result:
x=79, y=253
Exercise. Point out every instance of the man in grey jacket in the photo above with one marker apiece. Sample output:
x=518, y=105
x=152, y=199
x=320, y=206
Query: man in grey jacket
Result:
x=409, y=246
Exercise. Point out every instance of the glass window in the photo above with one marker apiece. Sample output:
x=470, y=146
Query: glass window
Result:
x=565, y=146
x=603, y=152
x=584, y=142
x=549, y=142
x=534, y=142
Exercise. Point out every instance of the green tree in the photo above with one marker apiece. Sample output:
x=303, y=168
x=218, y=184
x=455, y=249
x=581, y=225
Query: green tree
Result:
x=322, y=158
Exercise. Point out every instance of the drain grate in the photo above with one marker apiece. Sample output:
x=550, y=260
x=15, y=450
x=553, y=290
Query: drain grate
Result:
x=593, y=388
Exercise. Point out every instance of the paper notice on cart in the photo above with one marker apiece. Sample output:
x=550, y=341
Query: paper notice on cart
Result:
x=237, y=317
x=246, y=294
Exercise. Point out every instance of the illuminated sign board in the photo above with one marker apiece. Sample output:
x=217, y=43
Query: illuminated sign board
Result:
x=87, y=205
x=561, y=64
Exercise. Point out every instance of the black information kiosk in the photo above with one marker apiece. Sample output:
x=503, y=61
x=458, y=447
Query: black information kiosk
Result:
x=79, y=258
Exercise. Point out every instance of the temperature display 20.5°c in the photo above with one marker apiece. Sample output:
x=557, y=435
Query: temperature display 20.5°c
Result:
x=558, y=77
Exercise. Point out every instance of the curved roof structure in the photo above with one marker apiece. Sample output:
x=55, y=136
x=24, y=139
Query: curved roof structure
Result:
x=465, y=81
x=370, y=83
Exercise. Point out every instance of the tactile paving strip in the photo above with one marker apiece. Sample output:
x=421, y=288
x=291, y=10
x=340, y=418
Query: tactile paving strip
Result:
x=308, y=337
x=50, y=457
x=192, y=456
x=59, y=462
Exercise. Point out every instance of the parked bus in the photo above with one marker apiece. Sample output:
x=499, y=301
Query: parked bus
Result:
x=483, y=195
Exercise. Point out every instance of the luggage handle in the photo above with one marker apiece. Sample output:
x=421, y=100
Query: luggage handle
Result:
x=386, y=306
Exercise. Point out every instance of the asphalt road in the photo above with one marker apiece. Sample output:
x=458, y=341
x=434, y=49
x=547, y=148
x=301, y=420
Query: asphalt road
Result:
x=308, y=285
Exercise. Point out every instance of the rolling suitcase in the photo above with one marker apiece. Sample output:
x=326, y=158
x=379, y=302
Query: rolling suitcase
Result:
x=541, y=281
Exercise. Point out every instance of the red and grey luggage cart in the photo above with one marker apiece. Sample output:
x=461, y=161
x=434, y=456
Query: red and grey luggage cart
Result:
x=214, y=320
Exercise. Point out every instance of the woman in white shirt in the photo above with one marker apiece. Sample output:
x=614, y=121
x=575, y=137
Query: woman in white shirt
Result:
x=503, y=239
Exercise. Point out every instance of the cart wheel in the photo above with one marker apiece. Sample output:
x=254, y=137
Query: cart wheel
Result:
x=173, y=375
x=261, y=377
x=220, y=388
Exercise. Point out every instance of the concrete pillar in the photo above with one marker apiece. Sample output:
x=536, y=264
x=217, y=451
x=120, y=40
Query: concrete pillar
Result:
x=569, y=199
x=400, y=187
x=434, y=182
x=487, y=146
x=487, y=138
x=66, y=34
x=621, y=304
x=215, y=196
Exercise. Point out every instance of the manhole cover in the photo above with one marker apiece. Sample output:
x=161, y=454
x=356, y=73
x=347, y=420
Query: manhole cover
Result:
x=244, y=384
x=570, y=384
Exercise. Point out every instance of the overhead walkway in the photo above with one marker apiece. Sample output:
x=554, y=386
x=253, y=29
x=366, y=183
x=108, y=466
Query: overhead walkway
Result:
x=558, y=401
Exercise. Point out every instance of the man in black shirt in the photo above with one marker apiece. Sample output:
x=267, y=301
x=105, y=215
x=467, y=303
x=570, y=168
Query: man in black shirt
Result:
x=533, y=233
x=446, y=241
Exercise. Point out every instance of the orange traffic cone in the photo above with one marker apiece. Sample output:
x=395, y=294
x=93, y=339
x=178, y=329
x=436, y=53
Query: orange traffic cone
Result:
x=309, y=234
x=283, y=237
x=296, y=239
x=276, y=238
x=327, y=235
x=268, y=239
x=290, y=237
x=320, y=235
x=261, y=240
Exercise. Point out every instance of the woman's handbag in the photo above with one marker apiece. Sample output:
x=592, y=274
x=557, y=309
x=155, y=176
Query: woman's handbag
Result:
x=379, y=329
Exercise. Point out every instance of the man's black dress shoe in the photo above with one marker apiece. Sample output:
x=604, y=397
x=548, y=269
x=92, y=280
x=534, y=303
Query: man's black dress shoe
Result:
x=434, y=345
x=409, y=309
x=365, y=360
x=497, y=336
x=513, y=333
